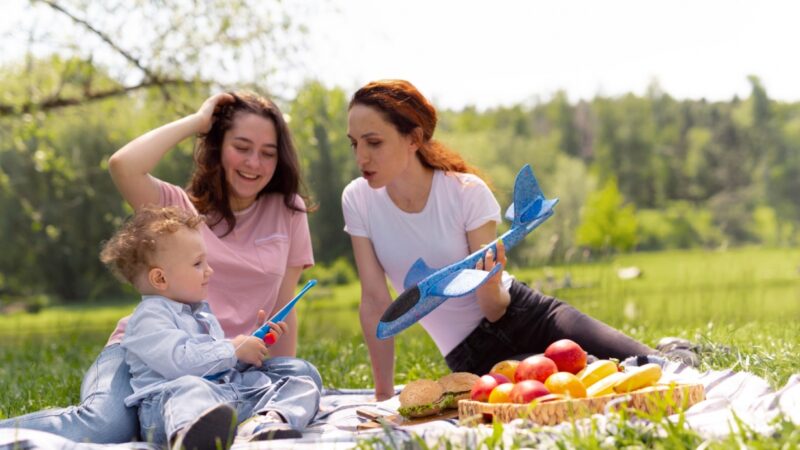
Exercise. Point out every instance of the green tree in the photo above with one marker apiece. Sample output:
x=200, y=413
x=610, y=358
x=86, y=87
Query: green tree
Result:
x=562, y=116
x=58, y=200
x=783, y=171
x=606, y=223
x=103, y=78
x=624, y=147
x=144, y=44
x=319, y=124
x=774, y=134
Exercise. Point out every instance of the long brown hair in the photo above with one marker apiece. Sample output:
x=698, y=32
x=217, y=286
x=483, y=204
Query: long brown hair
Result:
x=407, y=109
x=208, y=189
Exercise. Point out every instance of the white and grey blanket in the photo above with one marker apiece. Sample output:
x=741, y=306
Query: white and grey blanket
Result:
x=732, y=398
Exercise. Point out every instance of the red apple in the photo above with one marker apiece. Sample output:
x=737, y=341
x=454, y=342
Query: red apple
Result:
x=482, y=388
x=568, y=356
x=535, y=367
x=527, y=390
x=500, y=378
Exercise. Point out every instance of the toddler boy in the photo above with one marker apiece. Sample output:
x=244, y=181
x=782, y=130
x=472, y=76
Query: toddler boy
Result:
x=190, y=383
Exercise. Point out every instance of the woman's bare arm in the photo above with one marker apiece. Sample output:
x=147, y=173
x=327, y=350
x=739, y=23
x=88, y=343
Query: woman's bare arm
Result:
x=375, y=298
x=131, y=165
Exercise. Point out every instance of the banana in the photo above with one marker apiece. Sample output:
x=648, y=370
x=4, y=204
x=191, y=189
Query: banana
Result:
x=596, y=371
x=605, y=386
x=646, y=375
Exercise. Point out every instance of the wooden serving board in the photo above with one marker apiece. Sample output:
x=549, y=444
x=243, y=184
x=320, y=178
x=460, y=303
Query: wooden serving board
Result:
x=394, y=420
x=667, y=398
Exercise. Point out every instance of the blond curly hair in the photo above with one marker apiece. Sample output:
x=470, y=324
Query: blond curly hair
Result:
x=130, y=251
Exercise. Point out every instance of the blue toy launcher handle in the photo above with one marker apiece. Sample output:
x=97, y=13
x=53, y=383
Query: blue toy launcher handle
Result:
x=264, y=329
x=280, y=315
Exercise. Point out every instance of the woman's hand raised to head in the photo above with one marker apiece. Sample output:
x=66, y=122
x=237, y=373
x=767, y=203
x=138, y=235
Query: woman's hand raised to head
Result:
x=206, y=111
x=131, y=165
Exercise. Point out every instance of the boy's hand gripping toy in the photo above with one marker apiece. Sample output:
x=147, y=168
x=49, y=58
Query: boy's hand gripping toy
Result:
x=426, y=288
x=263, y=332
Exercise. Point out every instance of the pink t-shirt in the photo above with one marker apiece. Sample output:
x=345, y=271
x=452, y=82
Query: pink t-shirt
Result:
x=250, y=261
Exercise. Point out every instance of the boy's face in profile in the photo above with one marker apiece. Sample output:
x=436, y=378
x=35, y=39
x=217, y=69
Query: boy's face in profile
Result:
x=181, y=271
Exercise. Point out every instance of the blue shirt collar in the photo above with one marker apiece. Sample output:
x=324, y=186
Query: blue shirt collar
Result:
x=181, y=307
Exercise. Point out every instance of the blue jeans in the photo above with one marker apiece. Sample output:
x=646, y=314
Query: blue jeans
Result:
x=182, y=400
x=102, y=416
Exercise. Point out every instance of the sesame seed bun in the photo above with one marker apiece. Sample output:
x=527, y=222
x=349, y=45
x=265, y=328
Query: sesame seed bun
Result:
x=459, y=384
x=458, y=381
x=420, y=392
x=421, y=398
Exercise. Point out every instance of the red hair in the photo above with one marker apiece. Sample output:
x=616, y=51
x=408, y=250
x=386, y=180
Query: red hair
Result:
x=407, y=109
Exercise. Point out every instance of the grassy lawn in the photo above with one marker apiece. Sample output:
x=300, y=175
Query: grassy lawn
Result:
x=742, y=305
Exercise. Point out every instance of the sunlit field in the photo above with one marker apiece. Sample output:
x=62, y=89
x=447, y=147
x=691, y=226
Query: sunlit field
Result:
x=742, y=306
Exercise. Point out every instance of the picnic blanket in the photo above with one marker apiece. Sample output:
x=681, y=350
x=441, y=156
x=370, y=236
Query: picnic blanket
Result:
x=731, y=398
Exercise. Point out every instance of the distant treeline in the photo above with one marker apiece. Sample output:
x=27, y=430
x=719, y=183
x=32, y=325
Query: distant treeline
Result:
x=646, y=172
x=632, y=172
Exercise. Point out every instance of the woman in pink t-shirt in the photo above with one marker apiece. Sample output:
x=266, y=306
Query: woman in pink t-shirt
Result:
x=247, y=184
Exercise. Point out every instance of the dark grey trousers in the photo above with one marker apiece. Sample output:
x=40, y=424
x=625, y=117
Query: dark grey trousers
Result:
x=531, y=323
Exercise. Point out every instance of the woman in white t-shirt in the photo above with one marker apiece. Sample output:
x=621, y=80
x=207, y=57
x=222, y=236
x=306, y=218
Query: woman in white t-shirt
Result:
x=417, y=198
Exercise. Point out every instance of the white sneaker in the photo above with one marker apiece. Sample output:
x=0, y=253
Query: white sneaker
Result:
x=266, y=427
x=681, y=350
x=213, y=430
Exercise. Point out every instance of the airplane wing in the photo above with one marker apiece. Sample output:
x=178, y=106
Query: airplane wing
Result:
x=462, y=282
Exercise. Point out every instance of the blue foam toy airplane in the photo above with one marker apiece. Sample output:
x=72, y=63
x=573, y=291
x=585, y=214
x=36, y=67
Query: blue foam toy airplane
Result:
x=427, y=288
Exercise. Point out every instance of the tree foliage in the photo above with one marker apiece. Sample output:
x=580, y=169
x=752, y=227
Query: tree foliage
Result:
x=89, y=77
x=116, y=47
x=319, y=125
x=673, y=173
x=606, y=223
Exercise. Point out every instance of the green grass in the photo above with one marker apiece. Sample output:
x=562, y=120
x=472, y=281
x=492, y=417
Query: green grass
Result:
x=688, y=288
x=742, y=306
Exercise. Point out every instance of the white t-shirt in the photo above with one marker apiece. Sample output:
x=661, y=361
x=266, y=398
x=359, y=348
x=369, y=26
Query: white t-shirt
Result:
x=457, y=203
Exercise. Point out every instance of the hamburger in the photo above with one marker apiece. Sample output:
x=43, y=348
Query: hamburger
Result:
x=459, y=385
x=422, y=398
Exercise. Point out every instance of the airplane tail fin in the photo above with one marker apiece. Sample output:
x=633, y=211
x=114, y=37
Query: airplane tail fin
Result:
x=529, y=200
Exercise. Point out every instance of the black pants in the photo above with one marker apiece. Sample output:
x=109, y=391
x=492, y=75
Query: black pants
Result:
x=531, y=323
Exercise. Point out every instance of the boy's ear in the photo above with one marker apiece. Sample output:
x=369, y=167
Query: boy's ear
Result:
x=157, y=278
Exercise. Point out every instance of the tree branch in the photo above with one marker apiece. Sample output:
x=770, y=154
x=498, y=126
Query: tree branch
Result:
x=135, y=61
x=60, y=102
